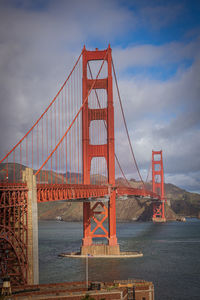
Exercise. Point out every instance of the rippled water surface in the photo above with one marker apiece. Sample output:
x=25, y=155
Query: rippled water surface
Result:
x=171, y=256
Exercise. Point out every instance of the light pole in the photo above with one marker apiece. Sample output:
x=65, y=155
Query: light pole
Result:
x=86, y=271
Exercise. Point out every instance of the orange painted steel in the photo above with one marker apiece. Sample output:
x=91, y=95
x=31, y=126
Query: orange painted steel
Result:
x=158, y=184
x=107, y=150
x=14, y=213
x=58, y=192
x=137, y=192
x=57, y=139
x=31, y=129
x=55, y=192
x=14, y=233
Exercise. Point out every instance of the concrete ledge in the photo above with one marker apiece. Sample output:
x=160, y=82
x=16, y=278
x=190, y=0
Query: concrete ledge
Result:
x=100, y=249
x=121, y=255
x=159, y=220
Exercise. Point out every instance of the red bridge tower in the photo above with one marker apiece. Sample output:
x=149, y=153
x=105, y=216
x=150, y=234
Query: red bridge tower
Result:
x=158, y=186
x=91, y=211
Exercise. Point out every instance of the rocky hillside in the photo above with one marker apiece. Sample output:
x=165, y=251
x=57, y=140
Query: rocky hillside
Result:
x=130, y=209
x=180, y=203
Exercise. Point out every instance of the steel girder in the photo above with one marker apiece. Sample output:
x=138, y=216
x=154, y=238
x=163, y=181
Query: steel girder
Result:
x=14, y=233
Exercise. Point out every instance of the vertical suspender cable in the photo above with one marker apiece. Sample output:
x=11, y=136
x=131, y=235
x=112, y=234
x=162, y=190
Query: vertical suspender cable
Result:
x=47, y=133
x=44, y=111
x=106, y=129
x=75, y=118
x=120, y=102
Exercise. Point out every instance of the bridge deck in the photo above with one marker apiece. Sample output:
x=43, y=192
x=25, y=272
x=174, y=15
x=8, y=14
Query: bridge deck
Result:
x=57, y=192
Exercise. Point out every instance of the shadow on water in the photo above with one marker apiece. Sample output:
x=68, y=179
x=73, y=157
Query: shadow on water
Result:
x=171, y=256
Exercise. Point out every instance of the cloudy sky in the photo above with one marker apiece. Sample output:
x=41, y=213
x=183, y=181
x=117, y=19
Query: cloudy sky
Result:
x=156, y=53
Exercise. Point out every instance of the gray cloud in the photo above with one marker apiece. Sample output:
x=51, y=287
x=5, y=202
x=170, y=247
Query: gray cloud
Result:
x=38, y=47
x=158, y=16
x=151, y=55
x=165, y=115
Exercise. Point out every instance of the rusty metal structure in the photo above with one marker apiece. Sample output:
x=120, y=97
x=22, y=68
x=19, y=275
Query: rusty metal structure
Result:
x=14, y=232
x=60, y=149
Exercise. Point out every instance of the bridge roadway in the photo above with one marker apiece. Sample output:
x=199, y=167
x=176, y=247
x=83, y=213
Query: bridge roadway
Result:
x=80, y=192
x=55, y=192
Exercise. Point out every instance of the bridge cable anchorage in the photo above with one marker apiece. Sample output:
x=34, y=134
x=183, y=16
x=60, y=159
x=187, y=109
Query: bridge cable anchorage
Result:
x=80, y=109
x=44, y=111
x=117, y=159
x=126, y=125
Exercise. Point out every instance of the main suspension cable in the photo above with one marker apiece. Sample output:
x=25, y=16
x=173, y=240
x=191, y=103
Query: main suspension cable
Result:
x=76, y=116
x=149, y=169
x=119, y=165
x=44, y=111
x=126, y=124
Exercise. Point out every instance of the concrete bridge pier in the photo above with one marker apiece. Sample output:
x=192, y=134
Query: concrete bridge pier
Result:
x=32, y=211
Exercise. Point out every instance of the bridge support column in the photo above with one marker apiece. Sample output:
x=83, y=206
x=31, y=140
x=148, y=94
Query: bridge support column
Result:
x=99, y=212
x=158, y=186
x=33, y=265
x=112, y=240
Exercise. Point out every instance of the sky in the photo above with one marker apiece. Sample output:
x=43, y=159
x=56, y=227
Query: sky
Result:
x=156, y=53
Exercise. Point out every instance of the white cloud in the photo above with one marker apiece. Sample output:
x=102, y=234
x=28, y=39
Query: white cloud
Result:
x=184, y=180
x=151, y=55
x=157, y=16
x=165, y=115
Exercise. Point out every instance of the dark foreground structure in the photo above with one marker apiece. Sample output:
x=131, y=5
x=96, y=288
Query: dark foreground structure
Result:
x=119, y=289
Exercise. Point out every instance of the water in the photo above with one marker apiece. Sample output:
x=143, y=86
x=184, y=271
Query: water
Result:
x=171, y=256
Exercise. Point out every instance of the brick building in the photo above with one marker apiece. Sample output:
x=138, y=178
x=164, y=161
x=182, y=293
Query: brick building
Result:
x=119, y=289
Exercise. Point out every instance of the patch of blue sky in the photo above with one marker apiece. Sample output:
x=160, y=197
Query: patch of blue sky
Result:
x=157, y=72
x=134, y=38
x=34, y=5
x=163, y=118
x=183, y=16
x=145, y=35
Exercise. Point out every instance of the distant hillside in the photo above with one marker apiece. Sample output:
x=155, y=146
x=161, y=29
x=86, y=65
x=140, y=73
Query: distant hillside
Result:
x=181, y=202
x=130, y=209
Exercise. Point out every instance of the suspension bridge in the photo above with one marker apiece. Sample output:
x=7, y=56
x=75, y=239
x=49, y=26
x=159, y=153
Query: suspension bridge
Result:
x=72, y=153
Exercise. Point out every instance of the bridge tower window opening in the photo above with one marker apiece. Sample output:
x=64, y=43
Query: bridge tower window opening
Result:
x=157, y=167
x=93, y=67
x=98, y=171
x=98, y=134
x=156, y=157
x=97, y=99
x=157, y=178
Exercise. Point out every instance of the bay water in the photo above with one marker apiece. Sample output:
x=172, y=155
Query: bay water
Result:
x=171, y=256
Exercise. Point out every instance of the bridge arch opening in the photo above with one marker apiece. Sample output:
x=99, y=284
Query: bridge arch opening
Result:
x=98, y=171
x=93, y=67
x=98, y=133
x=97, y=99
